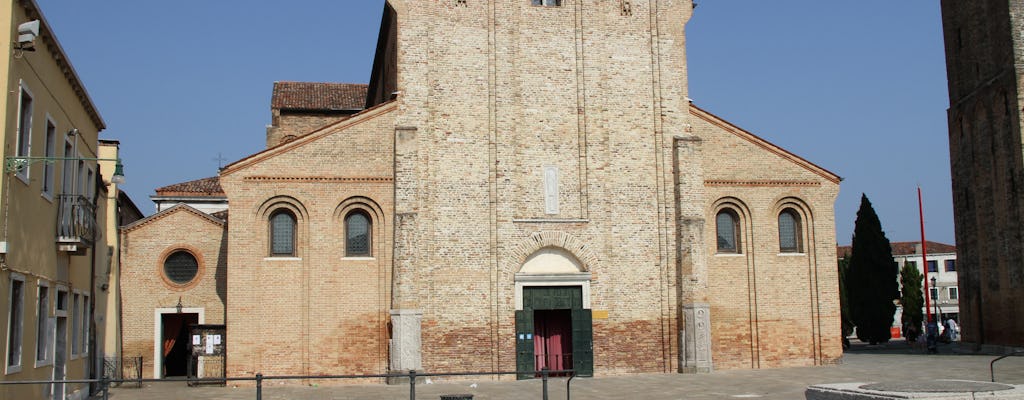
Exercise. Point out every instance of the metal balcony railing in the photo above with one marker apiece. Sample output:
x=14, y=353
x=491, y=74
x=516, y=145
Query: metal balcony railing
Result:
x=76, y=223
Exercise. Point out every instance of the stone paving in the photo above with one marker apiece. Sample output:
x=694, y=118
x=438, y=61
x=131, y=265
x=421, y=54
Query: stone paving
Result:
x=892, y=362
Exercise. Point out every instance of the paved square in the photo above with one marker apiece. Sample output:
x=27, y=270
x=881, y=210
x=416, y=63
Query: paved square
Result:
x=893, y=362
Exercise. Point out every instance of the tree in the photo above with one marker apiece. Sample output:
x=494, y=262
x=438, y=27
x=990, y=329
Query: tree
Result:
x=871, y=279
x=912, y=299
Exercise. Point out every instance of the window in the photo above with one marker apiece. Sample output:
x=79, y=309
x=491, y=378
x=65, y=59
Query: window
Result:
x=950, y=265
x=789, y=232
x=953, y=292
x=728, y=227
x=81, y=178
x=43, y=337
x=86, y=323
x=51, y=151
x=15, y=318
x=76, y=323
x=358, y=229
x=62, y=302
x=933, y=266
x=90, y=184
x=24, y=129
x=69, y=167
x=181, y=267
x=934, y=293
x=548, y=3
x=282, y=233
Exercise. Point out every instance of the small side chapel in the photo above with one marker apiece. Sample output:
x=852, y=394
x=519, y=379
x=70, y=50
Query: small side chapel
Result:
x=522, y=184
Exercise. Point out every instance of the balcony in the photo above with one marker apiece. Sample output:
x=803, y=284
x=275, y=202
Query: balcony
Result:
x=76, y=224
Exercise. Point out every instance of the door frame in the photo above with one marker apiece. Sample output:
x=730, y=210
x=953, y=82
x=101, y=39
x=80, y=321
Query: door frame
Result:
x=524, y=318
x=158, y=333
x=581, y=279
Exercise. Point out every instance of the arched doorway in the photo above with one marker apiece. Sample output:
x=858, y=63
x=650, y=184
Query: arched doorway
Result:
x=554, y=328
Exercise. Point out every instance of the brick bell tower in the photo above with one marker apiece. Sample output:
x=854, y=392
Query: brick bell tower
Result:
x=985, y=67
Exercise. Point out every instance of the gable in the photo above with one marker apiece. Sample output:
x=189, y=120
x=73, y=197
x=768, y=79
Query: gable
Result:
x=176, y=216
x=358, y=147
x=733, y=155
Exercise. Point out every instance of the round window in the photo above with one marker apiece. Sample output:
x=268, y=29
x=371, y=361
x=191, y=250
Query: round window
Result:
x=181, y=267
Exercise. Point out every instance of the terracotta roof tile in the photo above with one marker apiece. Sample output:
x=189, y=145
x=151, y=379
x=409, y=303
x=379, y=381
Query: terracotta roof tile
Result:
x=318, y=96
x=199, y=187
x=903, y=249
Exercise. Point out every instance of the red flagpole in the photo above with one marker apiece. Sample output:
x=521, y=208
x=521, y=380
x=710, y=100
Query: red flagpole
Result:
x=924, y=258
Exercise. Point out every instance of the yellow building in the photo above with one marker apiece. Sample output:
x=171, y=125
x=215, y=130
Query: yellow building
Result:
x=52, y=245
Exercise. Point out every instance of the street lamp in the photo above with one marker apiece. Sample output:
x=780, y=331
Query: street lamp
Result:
x=935, y=299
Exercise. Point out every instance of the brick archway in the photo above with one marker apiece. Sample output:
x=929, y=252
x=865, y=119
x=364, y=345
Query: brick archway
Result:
x=539, y=240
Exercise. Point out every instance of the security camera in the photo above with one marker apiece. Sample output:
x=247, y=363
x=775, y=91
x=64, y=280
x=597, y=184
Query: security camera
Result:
x=27, y=33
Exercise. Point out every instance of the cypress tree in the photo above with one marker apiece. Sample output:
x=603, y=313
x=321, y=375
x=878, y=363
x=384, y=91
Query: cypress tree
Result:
x=912, y=299
x=871, y=279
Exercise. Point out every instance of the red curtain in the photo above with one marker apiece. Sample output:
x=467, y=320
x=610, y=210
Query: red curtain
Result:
x=552, y=341
x=172, y=328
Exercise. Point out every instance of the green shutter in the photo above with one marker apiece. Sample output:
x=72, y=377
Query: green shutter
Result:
x=524, y=343
x=583, y=342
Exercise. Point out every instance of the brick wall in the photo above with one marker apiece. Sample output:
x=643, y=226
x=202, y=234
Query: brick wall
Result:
x=768, y=308
x=983, y=61
x=318, y=312
x=287, y=125
x=145, y=246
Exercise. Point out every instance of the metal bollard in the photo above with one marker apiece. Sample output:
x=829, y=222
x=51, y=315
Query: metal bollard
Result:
x=412, y=384
x=259, y=386
x=544, y=377
x=105, y=386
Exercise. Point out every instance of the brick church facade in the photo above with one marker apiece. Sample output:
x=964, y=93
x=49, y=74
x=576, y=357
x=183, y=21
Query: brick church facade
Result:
x=525, y=184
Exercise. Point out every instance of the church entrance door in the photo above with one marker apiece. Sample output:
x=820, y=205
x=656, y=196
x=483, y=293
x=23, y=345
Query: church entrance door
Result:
x=176, y=350
x=554, y=331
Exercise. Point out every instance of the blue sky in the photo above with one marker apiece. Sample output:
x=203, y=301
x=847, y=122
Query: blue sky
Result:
x=858, y=88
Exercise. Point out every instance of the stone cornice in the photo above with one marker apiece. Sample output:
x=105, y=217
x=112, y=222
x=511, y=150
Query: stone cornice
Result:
x=761, y=183
x=320, y=179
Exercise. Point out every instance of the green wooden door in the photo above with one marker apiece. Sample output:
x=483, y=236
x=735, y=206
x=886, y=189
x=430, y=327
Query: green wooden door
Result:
x=582, y=342
x=524, y=343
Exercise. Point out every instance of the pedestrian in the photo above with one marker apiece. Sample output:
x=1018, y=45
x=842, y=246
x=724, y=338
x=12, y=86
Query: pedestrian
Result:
x=952, y=329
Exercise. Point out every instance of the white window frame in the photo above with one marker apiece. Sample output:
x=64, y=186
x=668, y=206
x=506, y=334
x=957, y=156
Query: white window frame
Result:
x=953, y=292
x=23, y=91
x=50, y=152
x=80, y=188
x=76, y=320
x=90, y=182
x=57, y=311
x=69, y=175
x=15, y=326
x=86, y=324
x=44, y=330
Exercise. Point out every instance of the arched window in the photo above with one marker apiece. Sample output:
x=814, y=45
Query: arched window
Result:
x=790, y=240
x=181, y=267
x=727, y=225
x=358, y=231
x=282, y=233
